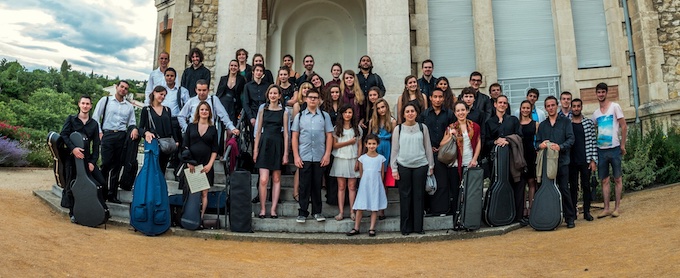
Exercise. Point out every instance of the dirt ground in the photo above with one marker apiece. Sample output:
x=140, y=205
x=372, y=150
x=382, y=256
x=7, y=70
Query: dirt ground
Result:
x=35, y=241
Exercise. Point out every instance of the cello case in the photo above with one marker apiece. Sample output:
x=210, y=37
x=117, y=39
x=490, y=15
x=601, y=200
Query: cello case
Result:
x=471, y=199
x=499, y=204
x=150, y=208
x=546, y=211
x=89, y=207
x=60, y=155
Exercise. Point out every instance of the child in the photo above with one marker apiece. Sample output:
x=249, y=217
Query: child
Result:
x=371, y=196
x=346, y=149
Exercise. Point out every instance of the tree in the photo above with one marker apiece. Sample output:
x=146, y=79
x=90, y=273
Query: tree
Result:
x=65, y=68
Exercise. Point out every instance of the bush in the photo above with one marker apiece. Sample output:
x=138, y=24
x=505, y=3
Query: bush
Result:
x=639, y=167
x=11, y=153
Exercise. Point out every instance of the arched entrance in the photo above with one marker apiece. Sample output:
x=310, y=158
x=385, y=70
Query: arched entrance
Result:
x=330, y=30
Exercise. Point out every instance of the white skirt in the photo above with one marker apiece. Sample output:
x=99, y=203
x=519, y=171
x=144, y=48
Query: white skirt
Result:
x=344, y=168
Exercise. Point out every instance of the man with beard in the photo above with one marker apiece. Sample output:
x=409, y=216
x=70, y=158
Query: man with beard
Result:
x=368, y=79
x=186, y=116
x=195, y=72
x=427, y=83
x=308, y=63
x=609, y=120
x=583, y=156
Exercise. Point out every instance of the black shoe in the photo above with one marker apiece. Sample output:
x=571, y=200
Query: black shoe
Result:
x=382, y=217
x=587, y=216
x=570, y=223
x=405, y=233
x=114, y=200
x=523, y=222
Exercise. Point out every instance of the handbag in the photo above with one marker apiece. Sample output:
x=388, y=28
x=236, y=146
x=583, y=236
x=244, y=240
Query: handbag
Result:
x=448, y=152
x=167, y=145
x=431, y=185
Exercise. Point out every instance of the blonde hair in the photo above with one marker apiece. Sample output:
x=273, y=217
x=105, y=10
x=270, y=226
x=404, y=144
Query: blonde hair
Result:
x=304, y=85
x=358, y=93
x=377, y=120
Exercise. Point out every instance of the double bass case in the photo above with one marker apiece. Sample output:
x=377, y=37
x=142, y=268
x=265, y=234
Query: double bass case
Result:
x=546, y=210
x=89, y=208
x=150, y=208
x=499, y=204
x=471, y=199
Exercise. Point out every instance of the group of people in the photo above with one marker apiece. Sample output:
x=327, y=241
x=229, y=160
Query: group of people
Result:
x=343, y=132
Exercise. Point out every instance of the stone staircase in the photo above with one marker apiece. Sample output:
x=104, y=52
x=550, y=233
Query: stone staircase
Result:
x=286, y=226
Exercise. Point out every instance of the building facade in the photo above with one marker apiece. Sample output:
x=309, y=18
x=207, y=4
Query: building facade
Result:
x=550, y=45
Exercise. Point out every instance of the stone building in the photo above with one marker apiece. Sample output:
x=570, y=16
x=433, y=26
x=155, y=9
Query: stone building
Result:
x=550, y=45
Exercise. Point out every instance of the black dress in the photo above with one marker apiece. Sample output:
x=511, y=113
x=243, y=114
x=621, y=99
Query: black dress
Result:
x=528, y=133
x=163, y=124
x=270, y=152
x=201, y=147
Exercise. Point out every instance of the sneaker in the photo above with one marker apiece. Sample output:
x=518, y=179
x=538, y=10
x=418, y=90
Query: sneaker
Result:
x=73, y=219
x=301, y=219
x=319, y=217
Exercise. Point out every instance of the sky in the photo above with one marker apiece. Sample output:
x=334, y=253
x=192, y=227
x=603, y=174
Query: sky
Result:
x=114, y=38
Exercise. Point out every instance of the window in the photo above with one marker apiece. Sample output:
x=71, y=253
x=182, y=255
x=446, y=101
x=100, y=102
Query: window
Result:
x=590, y=31
x=452, y=42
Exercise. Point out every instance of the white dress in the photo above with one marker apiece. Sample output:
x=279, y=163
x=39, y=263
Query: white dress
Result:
x=371, y=193
x=345, y=157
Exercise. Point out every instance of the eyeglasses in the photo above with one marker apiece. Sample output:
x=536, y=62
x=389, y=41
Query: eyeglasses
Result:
x=476, y=80
x=312, y=98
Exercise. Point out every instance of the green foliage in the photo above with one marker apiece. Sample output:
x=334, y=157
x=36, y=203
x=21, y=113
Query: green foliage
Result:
x=639, y=168
x=35, y=102
x=653, y=157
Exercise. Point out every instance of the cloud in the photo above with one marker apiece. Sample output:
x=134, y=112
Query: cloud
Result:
x=114, y=38
x=85, y=27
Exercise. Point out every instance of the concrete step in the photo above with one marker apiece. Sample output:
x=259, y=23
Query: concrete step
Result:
x=290, y=209
x=391, y=224
x=286, y=194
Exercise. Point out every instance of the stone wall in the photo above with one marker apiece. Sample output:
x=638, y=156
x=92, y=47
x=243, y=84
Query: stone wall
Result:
x=669, y=40
x=202, y=33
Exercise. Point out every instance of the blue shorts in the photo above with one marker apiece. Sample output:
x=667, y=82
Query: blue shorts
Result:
x=606, y=157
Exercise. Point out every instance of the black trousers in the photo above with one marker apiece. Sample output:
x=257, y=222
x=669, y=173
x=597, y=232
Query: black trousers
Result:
x=112, y=160
x=173, y=158
x=411, y=196
x=518, y=191
x=584, y=172
x=311, y=175
x=562, y=181
x=447, y=188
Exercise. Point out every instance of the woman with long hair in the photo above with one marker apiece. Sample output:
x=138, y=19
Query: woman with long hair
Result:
x=317, y=81
x=382, y=124
x=288, y=90
x=332, y=101
x=271, y=147
x=159, y=125
x=354, y=96
x=258, y=59
x=411, y=95
x=200, y=139
x=528, y=127
x=468, y=141
x=373, y=95
x=449, y=98
x=346, y=149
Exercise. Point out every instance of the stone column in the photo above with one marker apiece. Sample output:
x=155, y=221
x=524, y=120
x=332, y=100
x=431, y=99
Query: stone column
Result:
x=485, y=44
x=389, y=43
x=237, y=27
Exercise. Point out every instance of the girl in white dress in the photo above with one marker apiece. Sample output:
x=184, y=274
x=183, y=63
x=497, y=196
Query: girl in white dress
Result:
x=346, y=149
x=371, y=195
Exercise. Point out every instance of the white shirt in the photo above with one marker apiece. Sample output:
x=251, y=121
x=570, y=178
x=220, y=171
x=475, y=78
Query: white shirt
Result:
x=156, y=78
x=171, y=99
x=186, y=115
x=119, y=114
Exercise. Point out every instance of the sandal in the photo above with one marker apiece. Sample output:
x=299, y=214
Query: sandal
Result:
x=371, y=233
x=353, y=216
x=274, y=216
x=353, y=232
x=382, y=217
x=339, y=217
